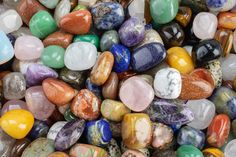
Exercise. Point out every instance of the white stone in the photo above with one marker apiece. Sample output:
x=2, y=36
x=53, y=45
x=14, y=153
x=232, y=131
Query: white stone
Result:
x=80, y=56
x=87, y=3
x=61, y=10
x=10, y=21
x=53, y=131
x=204, y=112
x=137, y=9
x=168, y=83
x=151, y=35
x=230, y=149
x=228, y=66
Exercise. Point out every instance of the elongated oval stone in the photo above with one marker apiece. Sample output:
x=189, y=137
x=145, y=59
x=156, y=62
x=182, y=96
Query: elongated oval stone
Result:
x=54, y=130
x=110, y=88
x=6, y=49
x=154, y=54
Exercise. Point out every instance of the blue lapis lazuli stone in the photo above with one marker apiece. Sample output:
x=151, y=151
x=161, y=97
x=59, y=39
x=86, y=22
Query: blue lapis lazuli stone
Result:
x=6, y=48
x=215, y=3
x=147, y=56
x=98, y=132
x=122, y=57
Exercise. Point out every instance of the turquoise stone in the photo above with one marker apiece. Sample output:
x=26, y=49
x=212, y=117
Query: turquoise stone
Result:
x=164, y=11
x=6, y=49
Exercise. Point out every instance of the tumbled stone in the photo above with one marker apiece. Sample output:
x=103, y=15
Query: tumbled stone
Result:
x=230, y=149
x=113, y=149
x=58, y=154
x=54, y=130
x=188, y=150
x=39, y=129
x=6, y=48
x=12, y=105
x=130, y=152
x=62, y=9
x=110, y=88
x=7, y=143
x=108, y=39
x=184, y=15
x=90, y=150
x=228, y=67
x=203, y=74
x=50, y=4
x=214, y=67
x=19, y=147
x=151, y=36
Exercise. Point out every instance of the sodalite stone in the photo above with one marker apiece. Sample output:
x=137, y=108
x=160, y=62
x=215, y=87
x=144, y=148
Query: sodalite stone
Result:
x=220, y=5
x=147, y=56
x=190, y=136
x=98, y=132
x=122, y=57
x=167, y=112
x=107, y=15
x=6, y=49
x=132, y=32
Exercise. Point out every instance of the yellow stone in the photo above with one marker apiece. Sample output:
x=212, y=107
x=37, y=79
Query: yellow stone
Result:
x=212, y=152
x=136, y=130
x=179, y=59
x=17, y=123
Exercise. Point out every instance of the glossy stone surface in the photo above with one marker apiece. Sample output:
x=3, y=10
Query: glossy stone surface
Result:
x=22, y=66
x=170, y=87
x=212, y=152
x=27, y=8
x=136, y=130
x=13, y=104
x=151, y=36
x=14, y=120
x=227, y=20
x=69, y=134
x=188, y=150
x=54, y=130
x=196, y=6
x=53, y=56
x=14, y=86
x=77, y=22
x=154, y=54
x=230, y=149
x=162, y=136
x=225, y=101
x=190, y=136
x=204, y=112
x=10, y=21
x=80, y=56
x=11, y=38
x=28, y=48
x=68, y=115
x=220, y=6
x=50, y=4
x=57, y=91
x=168, y=112
x=110, y=88
x=38, y=103
x=228, y=67
x=194, y=88
x=39, y=129
x=203, y=74
x=136, y=94
x=218, y=131
x=40, y=147
x=132, y=32
x=214, y=67
x=7, y=143
x=107, y=15
x=172, y=34
x=179, y=59
x=92, y=38
x=102, y=68
x=58, y=154
x=108, y=39
x=6, y=49
x=90, y=150
x=95, y=89
x=19, y=147
x=36, y=73
x=42, y=24
x=122, y=57
x=86, y=105
x=205, y=25
x=163, y=11
x=184, y=15
x=62, y=9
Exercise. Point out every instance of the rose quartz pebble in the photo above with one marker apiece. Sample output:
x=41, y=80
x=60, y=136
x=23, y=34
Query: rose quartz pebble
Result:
x=38, y=104
x=13, y=104
x=136, y=94
x=28, y=48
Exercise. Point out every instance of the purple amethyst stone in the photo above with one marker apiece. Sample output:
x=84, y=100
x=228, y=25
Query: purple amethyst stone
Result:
x=170, y=113
x=132, y=32
x=36, y=73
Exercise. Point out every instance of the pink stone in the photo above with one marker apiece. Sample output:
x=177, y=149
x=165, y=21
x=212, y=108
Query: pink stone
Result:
x=13, y=104
x=136, y=94
x=38, y=104
x=28, y=48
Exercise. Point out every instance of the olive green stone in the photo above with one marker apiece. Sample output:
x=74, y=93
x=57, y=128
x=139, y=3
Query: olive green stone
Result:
x=79, y=7
x=50, y=4
x=163, y=11
x=108, y=39
x=188, y=151
x=40, y=147
x=91, y=38
x=42, y=24
x=53, y=56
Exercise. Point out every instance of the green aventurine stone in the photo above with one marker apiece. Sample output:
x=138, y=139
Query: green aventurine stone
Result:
x=164, y=11
x=91, y=38
x=188, y=151
x=42, y=24
x=79, y=7
x=50, y=4
x=53, y=56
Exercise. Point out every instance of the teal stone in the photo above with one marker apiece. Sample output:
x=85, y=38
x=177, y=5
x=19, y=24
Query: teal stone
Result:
x=6, y=49
x=188, y=151
x=163, y=11
x=50, y=4
x=42, y=24
x=91, y=38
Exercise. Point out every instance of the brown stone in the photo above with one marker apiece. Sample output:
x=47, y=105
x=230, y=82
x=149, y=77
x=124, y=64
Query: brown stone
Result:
x=57, y=91
x=110, y=88
x=126, y=74
x=77, y=22
x=19, y=147
x=27, y=8
x=58, y=38
x=102, y=68
x=195, y=88
x=204, y=74
x=73, y=3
